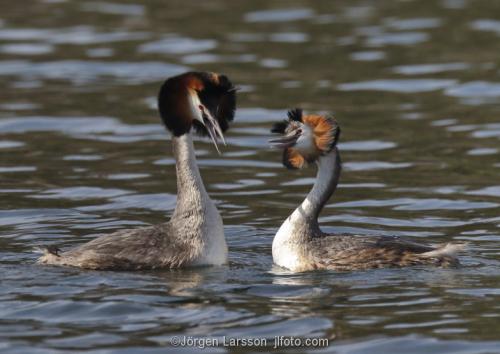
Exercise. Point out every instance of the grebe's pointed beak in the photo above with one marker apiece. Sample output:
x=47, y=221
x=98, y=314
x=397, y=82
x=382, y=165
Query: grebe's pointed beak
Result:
x=234, y=89
x=213, y=127
x=286, y=141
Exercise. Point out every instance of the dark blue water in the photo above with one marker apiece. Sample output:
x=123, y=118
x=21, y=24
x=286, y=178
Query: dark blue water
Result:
x=415, y=87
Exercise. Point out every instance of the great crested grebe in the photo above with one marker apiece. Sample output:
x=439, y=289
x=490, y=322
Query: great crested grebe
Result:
x=194, y=236
x=300, y=245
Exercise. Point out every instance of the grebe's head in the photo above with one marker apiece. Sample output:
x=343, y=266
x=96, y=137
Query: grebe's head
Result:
x=305, y=137
x=200, y=100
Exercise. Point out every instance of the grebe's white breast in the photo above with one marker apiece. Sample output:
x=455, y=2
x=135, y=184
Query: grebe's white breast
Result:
x=285, y=251
x=214, y=250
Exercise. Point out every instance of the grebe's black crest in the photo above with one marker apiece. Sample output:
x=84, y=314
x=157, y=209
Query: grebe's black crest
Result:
x=305, y=137
x=197, y=100
x=219, y=96
x=280, y=127
x=295, y=114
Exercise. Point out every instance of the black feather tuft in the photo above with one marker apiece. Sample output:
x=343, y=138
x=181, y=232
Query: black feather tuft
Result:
x=295, y=114
x=227, y=104
x=337, y=132
x=279, y=127
x=220, y=98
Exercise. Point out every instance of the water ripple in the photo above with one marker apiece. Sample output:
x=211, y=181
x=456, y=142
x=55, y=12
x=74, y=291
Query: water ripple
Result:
x=26, y=49
x=482, y=151
x=155, y=202
x=178, y=45
x=399, y=85
x=83, y=72
x=475, y=89
x=406, y=38
x=279, y=15
x=80, y=193
x=413, y=23
x=114, y=8
x=367, y=145
x=74, y=125
x=420, y=69
x=493, y=191
x=421, y=163
x=13, y=169
x=486, y=25
x=375, y=165
x=371, y=55
x=79, y=35
x=419, y=204
x=10, y=144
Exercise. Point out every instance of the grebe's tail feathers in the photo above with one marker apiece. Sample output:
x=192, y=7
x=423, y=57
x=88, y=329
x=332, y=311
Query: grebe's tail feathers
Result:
x=50, y=255
x=448, y=250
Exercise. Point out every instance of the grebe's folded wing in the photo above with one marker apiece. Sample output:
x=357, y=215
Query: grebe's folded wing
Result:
x=349, y=252
x=394, y=242
x=143, y=248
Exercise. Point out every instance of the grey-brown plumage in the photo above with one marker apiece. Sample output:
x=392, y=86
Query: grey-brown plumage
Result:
x=300, y=245
x=351, y=252
x=143, y=248
x=194, y=236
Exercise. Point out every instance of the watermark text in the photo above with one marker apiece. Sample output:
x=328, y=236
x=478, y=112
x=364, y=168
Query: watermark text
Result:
x=224, y=341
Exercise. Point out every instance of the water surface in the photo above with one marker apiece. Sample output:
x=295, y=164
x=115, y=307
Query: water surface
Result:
x=415, y=87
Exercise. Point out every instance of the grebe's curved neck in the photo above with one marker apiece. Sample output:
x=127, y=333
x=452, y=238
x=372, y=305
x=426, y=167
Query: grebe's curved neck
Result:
x=191, y=193
x=327, y=177
x=196, y=221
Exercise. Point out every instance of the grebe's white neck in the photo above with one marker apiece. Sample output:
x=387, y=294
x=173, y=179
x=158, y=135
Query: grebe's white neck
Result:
x=327, y=177
x=196, y=220
x=191, y=192
x=304, y=220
